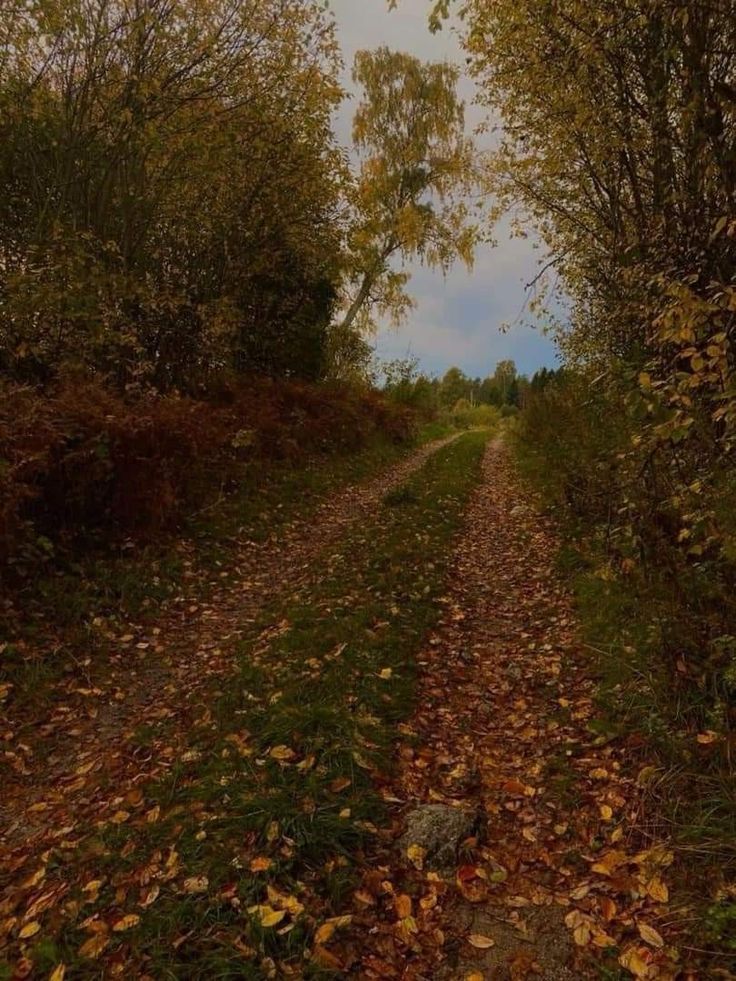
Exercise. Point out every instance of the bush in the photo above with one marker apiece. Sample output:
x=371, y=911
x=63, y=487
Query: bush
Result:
x=467, y=416
x=80, y=463
x=657, y=596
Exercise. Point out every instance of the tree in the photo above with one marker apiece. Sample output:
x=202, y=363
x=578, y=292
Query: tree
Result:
x=417, y=164
x=453, y=387
x=505, y=379
x=169, y=186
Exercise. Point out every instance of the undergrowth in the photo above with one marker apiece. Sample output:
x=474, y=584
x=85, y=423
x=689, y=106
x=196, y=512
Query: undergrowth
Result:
x=634, y=624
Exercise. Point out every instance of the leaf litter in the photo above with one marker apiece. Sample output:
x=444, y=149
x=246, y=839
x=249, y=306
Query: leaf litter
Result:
x=555, y=882
x=122, y=721
x=552, y=882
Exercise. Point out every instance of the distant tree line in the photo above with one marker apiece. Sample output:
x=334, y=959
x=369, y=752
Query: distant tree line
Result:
x=505, y=388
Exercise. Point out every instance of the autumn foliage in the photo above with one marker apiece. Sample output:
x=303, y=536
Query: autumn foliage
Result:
x=80, y=460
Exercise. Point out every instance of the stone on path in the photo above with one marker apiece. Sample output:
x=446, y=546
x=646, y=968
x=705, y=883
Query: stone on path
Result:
x=438, y=830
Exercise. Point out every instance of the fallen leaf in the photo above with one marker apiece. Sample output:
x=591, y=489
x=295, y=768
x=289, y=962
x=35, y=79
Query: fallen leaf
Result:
x=267, y=916
x=260, y=864
x=609, y=862
x=328, y=928
x=150, y=897
x=658, y=890
x=416, y=855
x=93, y=947
x=632, y=960
x=29, y=930
x=403, y=906
x=127, y=922
x=650, y=935
x=481, y=942
x=196, y=884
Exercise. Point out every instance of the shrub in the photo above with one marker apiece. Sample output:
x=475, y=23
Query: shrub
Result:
x=467, y=416
x=80, y=463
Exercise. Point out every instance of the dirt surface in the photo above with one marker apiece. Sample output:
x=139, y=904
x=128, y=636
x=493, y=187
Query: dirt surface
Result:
x=78, y=762
x=553, y=881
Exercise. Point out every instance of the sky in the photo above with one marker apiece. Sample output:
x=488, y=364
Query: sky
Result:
x=458, y=319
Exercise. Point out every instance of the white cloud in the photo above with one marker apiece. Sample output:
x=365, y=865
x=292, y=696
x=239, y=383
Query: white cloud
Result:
x=457, y=319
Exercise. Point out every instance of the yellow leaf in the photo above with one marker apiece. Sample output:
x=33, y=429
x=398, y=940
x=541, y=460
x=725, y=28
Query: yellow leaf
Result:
x=328, y=928
x=267, y=916
x=93, y=947
x=34, y=879
x=606, y=812
x=129, y=921
x=92, y=889
x=58, y=973
x=609, y=862
x=633, y=962
x=645, y=775
x=416, y=855
x=480, y=942
x=385, y=674
x=120, y=817
x=650, y=935
x=283, y=901
x=282, y=753
x=196, y=884
x=658, y=890
x=30, y=930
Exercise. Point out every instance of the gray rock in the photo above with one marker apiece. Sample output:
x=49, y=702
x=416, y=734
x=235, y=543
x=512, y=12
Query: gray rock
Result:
x=438, y=829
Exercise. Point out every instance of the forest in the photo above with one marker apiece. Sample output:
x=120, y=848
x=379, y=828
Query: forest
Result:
x=316, y=664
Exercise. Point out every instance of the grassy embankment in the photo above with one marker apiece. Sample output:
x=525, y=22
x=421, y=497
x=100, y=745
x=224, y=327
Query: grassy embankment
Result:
x=633, y=624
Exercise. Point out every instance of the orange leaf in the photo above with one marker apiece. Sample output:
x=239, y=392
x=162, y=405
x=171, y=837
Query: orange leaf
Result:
x=260, y=864
x=403, y=906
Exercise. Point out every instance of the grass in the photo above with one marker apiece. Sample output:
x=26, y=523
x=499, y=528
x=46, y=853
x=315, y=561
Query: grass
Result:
x=288, y=763
x=637, y=631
